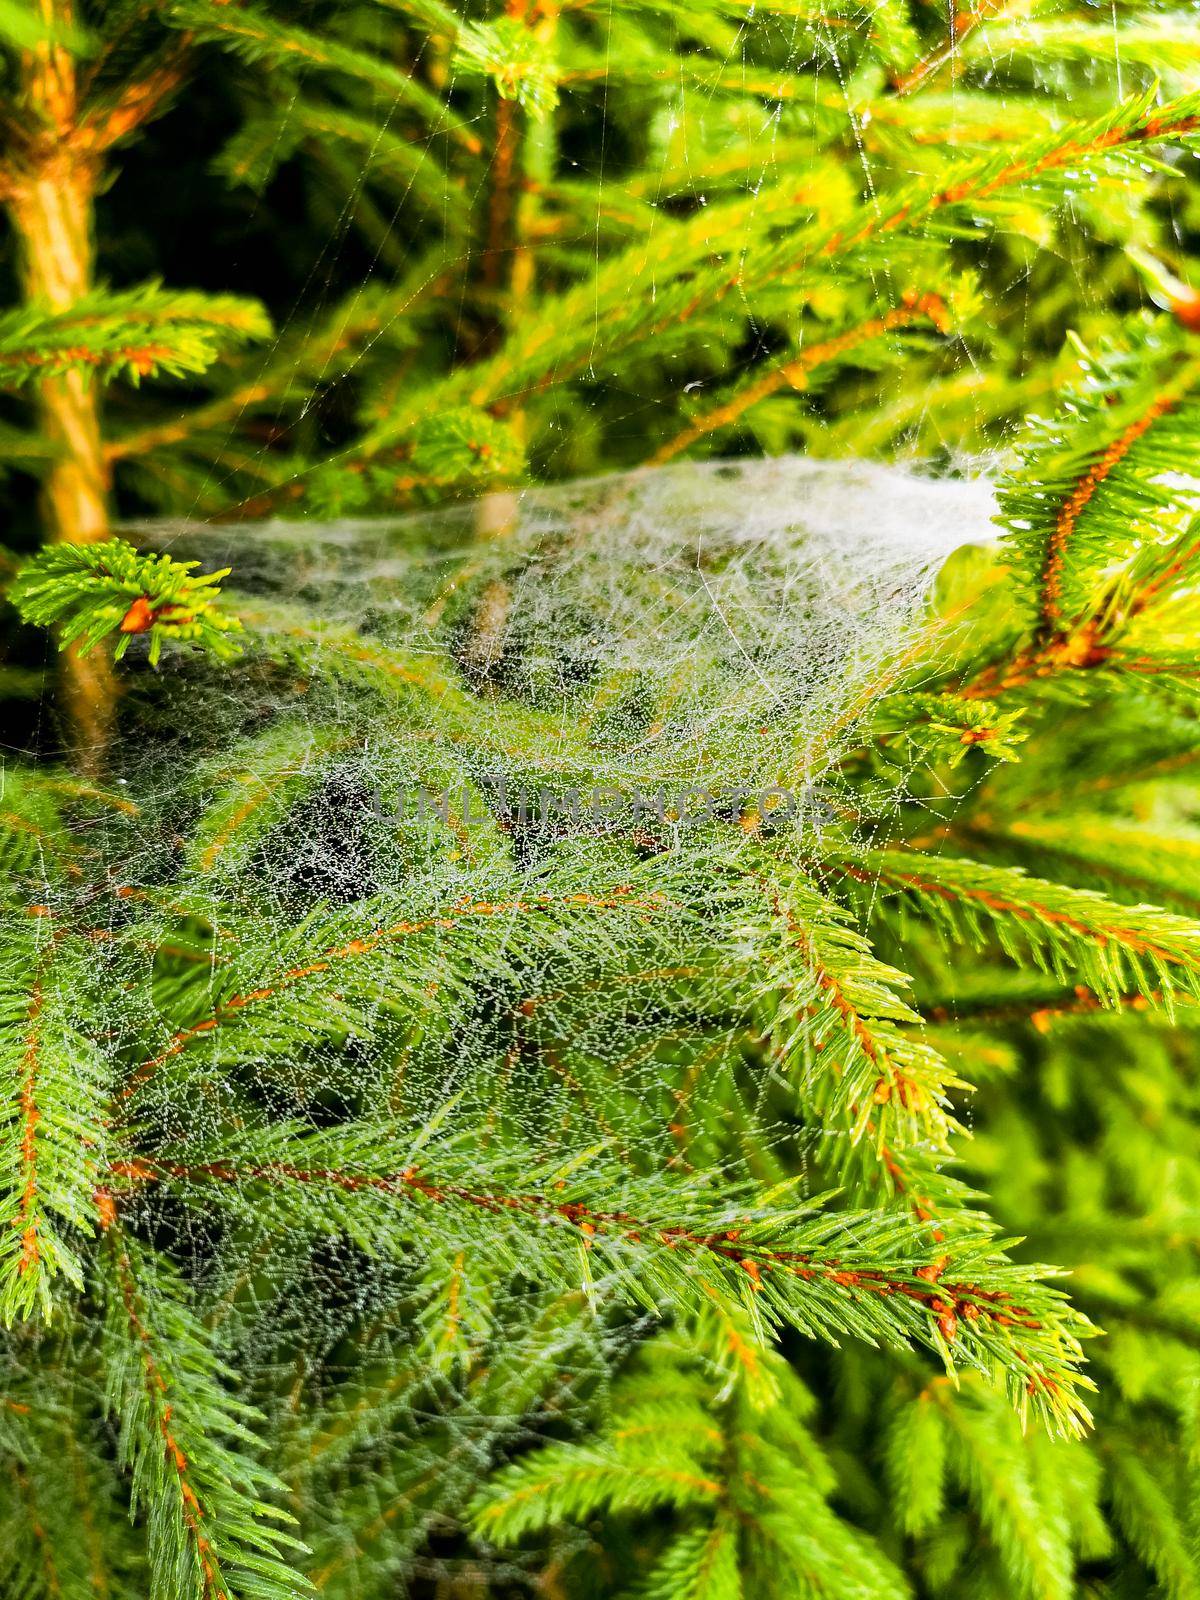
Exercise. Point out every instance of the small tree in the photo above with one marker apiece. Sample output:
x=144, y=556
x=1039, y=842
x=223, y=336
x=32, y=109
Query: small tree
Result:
x=398, y=1198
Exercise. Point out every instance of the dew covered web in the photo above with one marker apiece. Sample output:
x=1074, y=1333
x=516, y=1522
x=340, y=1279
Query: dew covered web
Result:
x=650, y=656
x=711, y=626
x=284, y=947
x=669, y=622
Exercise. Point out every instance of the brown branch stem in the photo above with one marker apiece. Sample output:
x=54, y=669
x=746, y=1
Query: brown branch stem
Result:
x=794, y=373
x=50, y=204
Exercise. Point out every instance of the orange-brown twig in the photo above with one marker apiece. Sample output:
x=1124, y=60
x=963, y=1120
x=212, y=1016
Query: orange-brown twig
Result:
x=354, y=948
x=913, y=308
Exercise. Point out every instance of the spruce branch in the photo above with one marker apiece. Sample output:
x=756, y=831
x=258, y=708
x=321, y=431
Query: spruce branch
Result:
x=1094, y=513
x=869, y=1275
x=136, y=334
x=320, y=352
x=965, y=23
x=908, y=727
x=92, y=591
x=515, y=57
x=693, y=274
x=60, y=1493
x=258, y=36
x=247, y=797
x=1124, y=858
x=1073, y=933
x=741, y=1488
x=472, y=1146
x=915, y=310
x=35, y=848
x=1152, y=1520
x=138, y=102
x=214, y=1531
x=1047, y=164
x=837, y=1022
x=989, y=1456
x=52, y=1122
x=1105, y=457
x=421, y=688
x=273, y=1010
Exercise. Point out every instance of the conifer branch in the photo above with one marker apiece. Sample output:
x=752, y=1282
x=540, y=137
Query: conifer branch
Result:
x=95, y=590
x=35, y=848
x=1068, y=931
x=138, y=103
x=1161, y=864
x=256, y=792
x=328, y=964
x=1138, y=123
x=134, y=335
x=213, y=1533
x=52, y=1127
x=861, y=1274
x=322, y=351
x=1084, y=491
x=963, y=24
x=1160, y=574
x=1099, y=463
x=258, y=36
x=565, y=339
x=913, y=310
x=840, y=1001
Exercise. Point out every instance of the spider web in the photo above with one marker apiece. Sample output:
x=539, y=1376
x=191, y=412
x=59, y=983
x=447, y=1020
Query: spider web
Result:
x=484, y=689
x=756, y=586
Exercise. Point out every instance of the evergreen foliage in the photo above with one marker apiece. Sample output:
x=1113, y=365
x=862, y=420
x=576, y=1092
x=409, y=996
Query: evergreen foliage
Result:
x=91, y=591
x=400, y=1202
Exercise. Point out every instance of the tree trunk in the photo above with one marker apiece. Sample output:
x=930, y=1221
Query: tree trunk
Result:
x=50, y=203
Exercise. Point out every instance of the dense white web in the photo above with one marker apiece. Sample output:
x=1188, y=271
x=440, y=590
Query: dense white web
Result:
x=715, y=625
x=681, y=605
